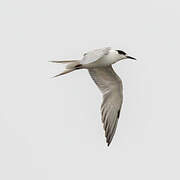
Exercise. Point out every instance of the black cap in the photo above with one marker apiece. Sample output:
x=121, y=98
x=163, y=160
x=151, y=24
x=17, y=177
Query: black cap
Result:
x=121, y=52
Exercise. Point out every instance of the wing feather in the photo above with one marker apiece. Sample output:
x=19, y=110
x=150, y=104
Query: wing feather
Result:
x=94, y=55
x=110, y=85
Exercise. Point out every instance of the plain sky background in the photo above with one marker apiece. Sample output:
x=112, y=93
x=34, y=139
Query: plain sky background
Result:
x=50, y=129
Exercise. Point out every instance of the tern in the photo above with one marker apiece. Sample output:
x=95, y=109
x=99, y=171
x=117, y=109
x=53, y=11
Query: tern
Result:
x=99, y=64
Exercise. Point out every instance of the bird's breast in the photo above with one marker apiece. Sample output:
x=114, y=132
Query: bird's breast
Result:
x=110, y=58
x=107, y=60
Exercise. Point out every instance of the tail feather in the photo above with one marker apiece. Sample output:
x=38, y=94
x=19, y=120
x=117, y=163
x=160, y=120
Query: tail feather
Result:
x=64, y=72
x=71, y=66
x=64, y=62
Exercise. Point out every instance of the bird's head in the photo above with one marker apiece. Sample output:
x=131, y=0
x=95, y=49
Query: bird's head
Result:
x=123, y=55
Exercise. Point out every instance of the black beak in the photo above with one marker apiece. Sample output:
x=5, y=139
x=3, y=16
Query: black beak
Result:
x=129, y=57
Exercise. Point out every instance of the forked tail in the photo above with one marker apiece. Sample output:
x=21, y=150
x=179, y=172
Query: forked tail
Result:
x=71, y=66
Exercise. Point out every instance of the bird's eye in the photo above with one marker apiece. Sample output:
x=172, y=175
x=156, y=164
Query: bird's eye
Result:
x=121, y=52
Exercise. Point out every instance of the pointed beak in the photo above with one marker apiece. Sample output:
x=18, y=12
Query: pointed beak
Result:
x=129, y=57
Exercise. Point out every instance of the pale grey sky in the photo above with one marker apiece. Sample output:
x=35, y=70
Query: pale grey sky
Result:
x=50, y=129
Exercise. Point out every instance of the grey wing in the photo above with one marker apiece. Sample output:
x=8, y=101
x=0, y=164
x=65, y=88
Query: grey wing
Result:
x=94, y=55
x=110, y=85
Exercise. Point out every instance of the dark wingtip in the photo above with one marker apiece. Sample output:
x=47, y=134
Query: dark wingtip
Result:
x=108, y=142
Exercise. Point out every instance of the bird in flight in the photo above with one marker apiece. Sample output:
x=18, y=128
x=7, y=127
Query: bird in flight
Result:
x=99, y=64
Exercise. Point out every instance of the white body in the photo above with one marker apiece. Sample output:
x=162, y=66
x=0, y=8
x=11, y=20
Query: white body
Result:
x=111, y=58
x=100, y=58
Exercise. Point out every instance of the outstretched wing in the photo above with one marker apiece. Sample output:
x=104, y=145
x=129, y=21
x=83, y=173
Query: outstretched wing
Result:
x=92, y=56
x=110, y=85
